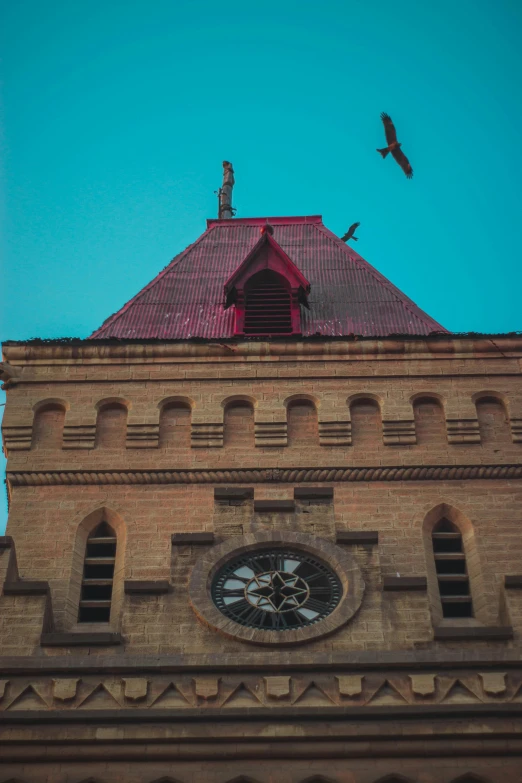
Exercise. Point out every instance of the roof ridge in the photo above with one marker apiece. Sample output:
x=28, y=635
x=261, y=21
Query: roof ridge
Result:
x=365, y=265
x=171, y=265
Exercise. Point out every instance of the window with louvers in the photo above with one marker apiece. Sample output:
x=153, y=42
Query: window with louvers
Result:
x=268, y=305
x=452, y=573
x=98, y=575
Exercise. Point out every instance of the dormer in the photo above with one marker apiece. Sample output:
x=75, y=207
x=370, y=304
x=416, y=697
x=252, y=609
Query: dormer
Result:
x=267, y=290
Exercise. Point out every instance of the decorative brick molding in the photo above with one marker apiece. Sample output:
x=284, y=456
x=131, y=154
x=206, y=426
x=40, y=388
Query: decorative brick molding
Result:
x=398, y=432
x=342, y=563
x=262, y=475
x=335, y=433
x=262, y=694
x=206, y=435
x=143, y=436
x=314, y=493
x=516, y=430
x=398, y=583
x=93, y=639
x=147, y=587
x=463, y=431
x=270, y=506
x=26, y=587
x=271, y=433
x=233, y=494
x=473, y=633
x=17, y=437
x=79, y=436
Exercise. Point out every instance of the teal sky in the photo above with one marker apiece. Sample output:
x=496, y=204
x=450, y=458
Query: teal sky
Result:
x=116, y=115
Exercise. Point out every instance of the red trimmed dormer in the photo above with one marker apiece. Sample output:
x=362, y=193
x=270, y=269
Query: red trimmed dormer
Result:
x=267, y=290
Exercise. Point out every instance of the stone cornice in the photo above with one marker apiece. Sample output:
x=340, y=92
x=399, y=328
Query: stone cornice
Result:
x=263, y=475
x=467, y=658
x=109, y=352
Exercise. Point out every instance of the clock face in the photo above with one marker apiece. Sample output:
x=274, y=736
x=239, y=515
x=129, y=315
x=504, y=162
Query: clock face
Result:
x=276, y=589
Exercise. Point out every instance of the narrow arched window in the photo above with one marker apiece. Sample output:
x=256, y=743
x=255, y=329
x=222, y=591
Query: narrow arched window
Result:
x=268, y=304
x=452, y=572
x=98, y=576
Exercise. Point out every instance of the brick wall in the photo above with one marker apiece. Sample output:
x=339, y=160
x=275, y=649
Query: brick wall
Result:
x=143, y=437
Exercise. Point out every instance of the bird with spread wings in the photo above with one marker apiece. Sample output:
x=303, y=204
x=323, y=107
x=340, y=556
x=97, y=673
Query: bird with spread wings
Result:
x=394, y=146
x=350, y=233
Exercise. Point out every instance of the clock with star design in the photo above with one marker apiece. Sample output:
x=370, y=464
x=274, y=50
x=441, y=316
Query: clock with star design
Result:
x=276, y=589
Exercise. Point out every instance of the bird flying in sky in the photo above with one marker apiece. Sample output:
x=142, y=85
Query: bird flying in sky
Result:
x=394, y=146
x=350, y=233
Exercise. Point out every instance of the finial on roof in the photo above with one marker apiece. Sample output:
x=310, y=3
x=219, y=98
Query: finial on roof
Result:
x=226, y=210
x=267, y=229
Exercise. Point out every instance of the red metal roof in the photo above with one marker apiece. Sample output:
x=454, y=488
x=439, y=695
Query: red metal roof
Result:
x=348, y=296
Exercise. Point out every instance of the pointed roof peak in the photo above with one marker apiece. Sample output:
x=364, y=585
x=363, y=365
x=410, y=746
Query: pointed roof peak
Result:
x=348, y=296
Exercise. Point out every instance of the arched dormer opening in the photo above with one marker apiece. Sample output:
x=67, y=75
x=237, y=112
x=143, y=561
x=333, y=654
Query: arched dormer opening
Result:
x=268, y=305
x=267, y=290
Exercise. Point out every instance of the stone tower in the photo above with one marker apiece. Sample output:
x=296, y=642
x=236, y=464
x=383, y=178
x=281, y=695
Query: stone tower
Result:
x=264, y=527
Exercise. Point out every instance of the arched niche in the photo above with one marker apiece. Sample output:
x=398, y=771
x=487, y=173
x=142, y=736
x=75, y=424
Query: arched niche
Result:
x=111, y=423
x=436, y=520
x=470, y=777
x=88, y=525
x=302, y=421
x=175, y=422
x=238, y=420
x=48, y=421
x=430, y=421
x=493, y=418
x=366, y=418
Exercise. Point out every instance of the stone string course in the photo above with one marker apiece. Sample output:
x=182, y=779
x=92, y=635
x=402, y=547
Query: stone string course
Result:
x=264, y=689
x=282, y=475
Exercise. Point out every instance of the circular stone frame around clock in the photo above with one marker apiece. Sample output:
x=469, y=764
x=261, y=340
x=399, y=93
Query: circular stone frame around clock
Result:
x=341, y=562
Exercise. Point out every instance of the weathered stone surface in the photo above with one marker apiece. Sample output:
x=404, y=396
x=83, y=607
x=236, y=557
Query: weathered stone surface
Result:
x=494, y=683
x=65, y=690
x=423, y=684
x=350, y=685
x=135, y=688
x=277, y=687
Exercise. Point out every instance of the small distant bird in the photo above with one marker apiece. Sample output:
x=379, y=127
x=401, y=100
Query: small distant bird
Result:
x=350, y=233
x=394, y=146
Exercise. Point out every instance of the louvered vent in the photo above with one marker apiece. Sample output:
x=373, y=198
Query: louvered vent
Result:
x=452, y=574
x=268, y=306
x=98, y=575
